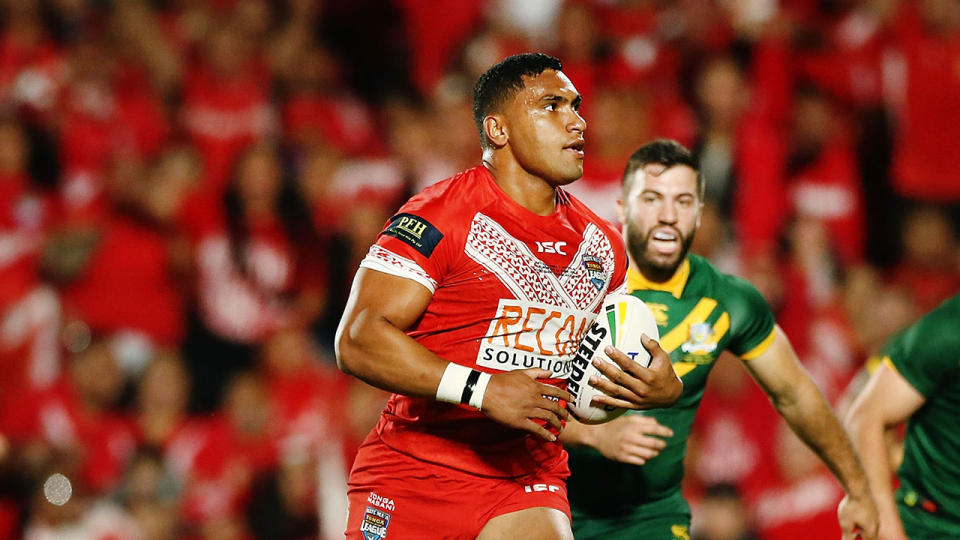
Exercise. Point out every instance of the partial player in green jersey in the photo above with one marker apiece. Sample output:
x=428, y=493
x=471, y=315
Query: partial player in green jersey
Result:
x=918, y=381
x=627, y=473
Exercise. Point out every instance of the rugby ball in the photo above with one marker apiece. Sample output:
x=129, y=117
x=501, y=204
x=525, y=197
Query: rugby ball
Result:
x=620, y=323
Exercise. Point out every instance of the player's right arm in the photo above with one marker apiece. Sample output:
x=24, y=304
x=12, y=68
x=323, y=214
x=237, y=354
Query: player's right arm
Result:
x=887, y=400
x=371, y=344
x=631, y=438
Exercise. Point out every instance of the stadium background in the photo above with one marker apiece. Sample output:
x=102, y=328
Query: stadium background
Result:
x=186, y=188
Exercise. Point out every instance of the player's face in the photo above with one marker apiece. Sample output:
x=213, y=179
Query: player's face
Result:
x=661, y=213
x=545, y=128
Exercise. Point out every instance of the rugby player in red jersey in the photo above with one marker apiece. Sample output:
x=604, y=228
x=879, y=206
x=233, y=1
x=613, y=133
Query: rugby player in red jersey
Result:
x=470, y=307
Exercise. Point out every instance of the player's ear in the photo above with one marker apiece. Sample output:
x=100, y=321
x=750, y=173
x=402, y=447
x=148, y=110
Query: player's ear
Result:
x=620, y=211
x=696, y=226
x=496, y=130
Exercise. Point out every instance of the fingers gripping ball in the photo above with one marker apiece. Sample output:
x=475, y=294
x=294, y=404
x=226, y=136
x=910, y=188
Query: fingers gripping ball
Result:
x=620, y=323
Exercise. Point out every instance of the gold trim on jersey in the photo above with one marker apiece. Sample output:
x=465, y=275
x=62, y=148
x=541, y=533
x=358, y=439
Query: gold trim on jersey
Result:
x=761, y=348
x=674, y=285
x=889, y=363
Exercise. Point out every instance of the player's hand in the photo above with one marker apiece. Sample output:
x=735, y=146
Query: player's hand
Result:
x=516, y=398
x=632, y=438
x=858, y=517
x=634, y=386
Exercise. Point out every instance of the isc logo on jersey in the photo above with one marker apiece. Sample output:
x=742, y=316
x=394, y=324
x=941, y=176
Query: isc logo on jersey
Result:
x=527, y=335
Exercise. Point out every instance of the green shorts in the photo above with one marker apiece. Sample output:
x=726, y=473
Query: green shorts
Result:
x=665, y=519
x=920, y=524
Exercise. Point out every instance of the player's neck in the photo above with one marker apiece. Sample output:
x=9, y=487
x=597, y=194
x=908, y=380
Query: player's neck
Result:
x=529, y=191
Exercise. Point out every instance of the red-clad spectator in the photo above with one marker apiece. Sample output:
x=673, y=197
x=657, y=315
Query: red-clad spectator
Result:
x=823, y=181
x=162, y=396
x=732, y=430
x=126, y=279
x=928, y=268
x=924, y=165
x=800, y=501
x=31, y=65
x=75, y=417
x=150, y=494
x=226, y=103
x=641, y=47
x=102, y=118
x=308, y=397
x=322, y=112
x=219, y=456
x=435, y=40
x=257, y=269
x=742, y=156
x=29, y=311
x=849, y=63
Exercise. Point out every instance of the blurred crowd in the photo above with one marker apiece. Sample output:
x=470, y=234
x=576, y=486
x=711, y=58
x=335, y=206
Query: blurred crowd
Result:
x=187, y=187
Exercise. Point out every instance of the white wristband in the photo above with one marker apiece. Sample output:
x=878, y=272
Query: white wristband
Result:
x=452, y=382
x=460, y=384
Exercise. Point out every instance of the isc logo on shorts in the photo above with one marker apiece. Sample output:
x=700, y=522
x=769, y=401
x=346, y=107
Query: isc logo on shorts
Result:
x=374, y=524
x=541, y=487
x=526, y=335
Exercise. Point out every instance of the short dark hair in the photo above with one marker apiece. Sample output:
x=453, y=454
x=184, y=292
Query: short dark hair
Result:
x=502, y=81
x=666, y=152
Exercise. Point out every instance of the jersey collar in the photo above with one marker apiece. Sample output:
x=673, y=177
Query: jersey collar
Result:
x=674, y=285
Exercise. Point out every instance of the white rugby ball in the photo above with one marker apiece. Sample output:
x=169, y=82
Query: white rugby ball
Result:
x=620, y=323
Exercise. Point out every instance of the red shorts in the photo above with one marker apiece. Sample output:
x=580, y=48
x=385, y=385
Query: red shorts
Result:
x=393, y=495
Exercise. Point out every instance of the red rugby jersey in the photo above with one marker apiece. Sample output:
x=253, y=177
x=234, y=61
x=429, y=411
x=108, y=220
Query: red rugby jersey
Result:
x=511, y=290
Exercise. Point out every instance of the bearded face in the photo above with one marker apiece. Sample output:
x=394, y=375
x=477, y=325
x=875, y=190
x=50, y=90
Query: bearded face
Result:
x=661, y=213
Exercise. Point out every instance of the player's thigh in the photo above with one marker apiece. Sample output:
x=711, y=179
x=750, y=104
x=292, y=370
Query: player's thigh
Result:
x=540, y=523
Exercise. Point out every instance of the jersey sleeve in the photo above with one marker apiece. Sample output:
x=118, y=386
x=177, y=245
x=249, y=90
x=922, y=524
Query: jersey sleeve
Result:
x=752, y=324
x=414, y=244
x=927, y=354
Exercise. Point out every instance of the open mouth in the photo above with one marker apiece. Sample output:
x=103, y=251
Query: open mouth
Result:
x=665, y=241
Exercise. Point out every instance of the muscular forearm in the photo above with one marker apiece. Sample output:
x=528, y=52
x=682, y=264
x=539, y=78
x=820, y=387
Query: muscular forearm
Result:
x=868, y=435
x=372, y=349
x=577, y=434
x=813, y=420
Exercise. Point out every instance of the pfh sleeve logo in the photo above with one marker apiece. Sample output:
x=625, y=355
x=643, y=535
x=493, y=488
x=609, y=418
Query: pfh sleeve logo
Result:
x=419, y=233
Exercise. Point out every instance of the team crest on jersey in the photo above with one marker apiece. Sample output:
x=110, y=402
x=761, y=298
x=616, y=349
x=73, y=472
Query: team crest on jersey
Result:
x=374, y=524
x=701, y=341
x=594, y=267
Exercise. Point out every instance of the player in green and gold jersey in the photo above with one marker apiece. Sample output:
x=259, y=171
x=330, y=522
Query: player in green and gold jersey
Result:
x=918, y=381
x=626, y=474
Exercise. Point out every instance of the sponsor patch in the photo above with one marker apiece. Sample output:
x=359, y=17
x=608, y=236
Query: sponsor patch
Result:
x=594, y=267
x=374, y=524
x=416, y=231
x=527, y=335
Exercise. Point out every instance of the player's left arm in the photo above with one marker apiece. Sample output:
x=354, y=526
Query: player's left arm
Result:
x=797, y=398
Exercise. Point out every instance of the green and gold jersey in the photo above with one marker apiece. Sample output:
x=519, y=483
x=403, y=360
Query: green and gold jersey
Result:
x=927, y=355
x=700, y=313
